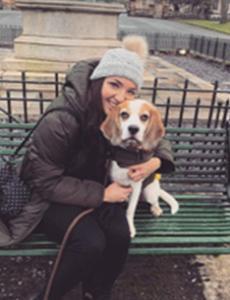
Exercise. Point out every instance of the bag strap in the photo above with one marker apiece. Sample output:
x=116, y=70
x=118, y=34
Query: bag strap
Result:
x=21, y=145
x=69, y=230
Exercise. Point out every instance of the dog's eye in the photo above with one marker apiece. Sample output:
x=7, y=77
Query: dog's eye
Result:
x=124, y=115
x=144, y=117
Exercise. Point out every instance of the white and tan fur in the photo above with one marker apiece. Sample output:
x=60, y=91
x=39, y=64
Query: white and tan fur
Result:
x=136, y=125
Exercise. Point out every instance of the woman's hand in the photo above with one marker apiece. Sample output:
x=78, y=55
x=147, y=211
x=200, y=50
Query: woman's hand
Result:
x=116, y=193
x=141, y=171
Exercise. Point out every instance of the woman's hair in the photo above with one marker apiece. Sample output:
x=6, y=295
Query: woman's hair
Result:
x=95, y=113
x=127, y=61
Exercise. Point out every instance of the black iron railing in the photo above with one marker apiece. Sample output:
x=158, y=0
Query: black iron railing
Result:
x=26, y=99
x=206, y=107
x=215, y=48
x=160, y=41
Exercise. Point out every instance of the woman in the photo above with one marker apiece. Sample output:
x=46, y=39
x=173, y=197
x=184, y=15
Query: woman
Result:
x=65, y=167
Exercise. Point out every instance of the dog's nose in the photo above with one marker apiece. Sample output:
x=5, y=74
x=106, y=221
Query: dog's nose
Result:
x=133, y=129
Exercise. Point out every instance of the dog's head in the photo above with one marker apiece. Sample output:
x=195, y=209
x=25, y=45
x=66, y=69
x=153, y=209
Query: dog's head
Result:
x=134, y=124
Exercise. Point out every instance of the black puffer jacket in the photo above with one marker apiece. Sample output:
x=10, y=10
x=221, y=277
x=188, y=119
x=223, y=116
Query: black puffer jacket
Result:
x=66, y=159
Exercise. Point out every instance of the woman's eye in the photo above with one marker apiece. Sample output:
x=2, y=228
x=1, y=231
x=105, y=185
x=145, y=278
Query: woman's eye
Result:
x=144, y=118
x=132, y=92
x=124, y=115
x=114, y=84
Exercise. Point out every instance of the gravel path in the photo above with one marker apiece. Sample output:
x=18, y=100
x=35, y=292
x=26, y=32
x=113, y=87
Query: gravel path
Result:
x=206, y=70
x=144, y=278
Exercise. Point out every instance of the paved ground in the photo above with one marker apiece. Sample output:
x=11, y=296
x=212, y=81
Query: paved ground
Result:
x=144, y=278
x=4, y=52
x=204, y=69
x=215, y=273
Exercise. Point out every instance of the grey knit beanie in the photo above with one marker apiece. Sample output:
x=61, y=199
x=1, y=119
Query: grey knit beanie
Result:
x=125, y=62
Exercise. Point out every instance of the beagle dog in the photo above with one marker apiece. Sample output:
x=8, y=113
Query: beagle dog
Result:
x=134, y=128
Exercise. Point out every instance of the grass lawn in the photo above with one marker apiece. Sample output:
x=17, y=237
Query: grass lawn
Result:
x=213, y=25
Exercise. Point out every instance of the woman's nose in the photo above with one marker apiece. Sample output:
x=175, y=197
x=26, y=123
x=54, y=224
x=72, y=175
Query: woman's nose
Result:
x=121, y=96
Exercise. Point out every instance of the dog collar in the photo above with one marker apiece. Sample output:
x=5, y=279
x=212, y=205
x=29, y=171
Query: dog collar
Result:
x=126, y=158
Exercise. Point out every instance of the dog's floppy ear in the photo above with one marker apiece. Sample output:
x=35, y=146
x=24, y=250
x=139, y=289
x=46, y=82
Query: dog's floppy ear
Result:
x=110, y=127
x=154, y=131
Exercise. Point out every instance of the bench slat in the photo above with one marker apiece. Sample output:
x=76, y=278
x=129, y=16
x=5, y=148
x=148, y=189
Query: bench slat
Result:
x=181, y=240
x=181, y=250
x=133, y=251
x=194, y=180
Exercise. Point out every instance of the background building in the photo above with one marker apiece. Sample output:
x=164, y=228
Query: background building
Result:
x=171, y=8
x=216, y=9
x=151, y=8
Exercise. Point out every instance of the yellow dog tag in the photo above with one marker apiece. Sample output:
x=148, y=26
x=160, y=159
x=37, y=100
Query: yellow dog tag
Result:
x=157, y=176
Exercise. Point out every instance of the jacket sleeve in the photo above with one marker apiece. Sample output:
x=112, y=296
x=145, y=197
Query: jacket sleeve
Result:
x=44, y=164
x=164, y=152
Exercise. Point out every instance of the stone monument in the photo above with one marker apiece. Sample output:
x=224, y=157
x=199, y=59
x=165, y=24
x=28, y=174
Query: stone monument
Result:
x=57, y=33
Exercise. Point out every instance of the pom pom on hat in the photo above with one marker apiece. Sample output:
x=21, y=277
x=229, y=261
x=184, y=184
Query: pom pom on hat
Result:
x=137, y=44
x=127, y=61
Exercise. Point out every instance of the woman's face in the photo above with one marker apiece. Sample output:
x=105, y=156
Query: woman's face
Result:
x=115, y=90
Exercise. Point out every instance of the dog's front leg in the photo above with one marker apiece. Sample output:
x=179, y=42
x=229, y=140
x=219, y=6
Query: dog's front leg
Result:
x=132, y=205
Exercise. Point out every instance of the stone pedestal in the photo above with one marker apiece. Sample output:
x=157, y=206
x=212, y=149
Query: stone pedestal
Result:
x=57, y=33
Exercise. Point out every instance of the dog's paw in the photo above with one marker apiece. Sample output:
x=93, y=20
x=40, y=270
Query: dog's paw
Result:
x=174, y=209
x=132, y=233
x=132, y=229
x=156, y=211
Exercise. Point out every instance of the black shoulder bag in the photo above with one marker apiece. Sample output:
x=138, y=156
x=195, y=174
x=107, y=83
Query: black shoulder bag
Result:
x=14, y=193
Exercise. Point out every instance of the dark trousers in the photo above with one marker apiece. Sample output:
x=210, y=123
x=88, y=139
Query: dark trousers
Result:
x=96, y=250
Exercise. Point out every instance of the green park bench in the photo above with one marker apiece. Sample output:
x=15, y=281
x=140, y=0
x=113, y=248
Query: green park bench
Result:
x=200, y=183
